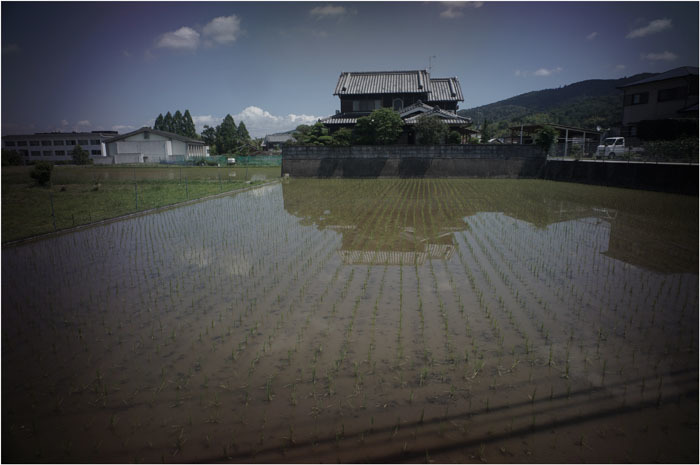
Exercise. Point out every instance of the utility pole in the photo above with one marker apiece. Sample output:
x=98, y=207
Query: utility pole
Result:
x=430, y=63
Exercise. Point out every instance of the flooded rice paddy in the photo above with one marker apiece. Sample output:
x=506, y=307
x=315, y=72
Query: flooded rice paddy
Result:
x=361, y=320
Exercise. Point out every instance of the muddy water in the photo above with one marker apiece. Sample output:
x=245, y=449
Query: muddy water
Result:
x=373, y=320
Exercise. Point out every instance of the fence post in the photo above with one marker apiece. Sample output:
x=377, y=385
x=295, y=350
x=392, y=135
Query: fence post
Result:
x=136, y=195
x=187, y=192
x=53, y=213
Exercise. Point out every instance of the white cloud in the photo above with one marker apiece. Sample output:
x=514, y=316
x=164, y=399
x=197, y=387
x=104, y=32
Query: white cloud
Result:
x=653, y=27
x=328, y=11
x=455, y=9
x=259, y=122
x=547, y=72
x=123, y=128
x=83, y=123
x=222, y=30
x=665, y=56
x=591, y=36
x=184, y=38
x=620, y=67
x=64, y=122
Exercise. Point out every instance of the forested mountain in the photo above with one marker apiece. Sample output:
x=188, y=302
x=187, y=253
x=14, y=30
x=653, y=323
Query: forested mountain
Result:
x=586, y=104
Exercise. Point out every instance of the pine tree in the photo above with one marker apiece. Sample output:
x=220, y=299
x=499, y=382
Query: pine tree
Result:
x=168, y=123
x=189, y=128
x=227, y=135
x=178, y=123
x=158, y=126
x=243, y=135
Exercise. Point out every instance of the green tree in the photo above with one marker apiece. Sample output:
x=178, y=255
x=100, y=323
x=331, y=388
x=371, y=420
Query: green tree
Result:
x=80, y=156
x=342, y=137
x=383, y=126
x=318, y=134
x=168, y=123
x=454, y=138
x=178, y=123
x=388, y=125
x=41, y=172
x=227, y=136
x=486, y=133
x=188, y=124
x=11, y=157
x=209, y=135
x=545, y=138
x=243, y=135
x=158, y=125
x=431, y=130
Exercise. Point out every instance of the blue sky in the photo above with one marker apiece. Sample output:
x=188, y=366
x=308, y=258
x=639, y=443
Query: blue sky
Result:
x=117, y=65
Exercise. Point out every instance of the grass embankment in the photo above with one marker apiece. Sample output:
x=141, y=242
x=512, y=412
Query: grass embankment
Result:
x=82, y=195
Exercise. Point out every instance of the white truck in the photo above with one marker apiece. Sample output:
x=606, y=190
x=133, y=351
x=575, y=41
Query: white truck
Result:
x=614, y=147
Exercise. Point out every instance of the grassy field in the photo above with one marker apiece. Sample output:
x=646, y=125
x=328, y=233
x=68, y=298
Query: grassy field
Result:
x=81, y=195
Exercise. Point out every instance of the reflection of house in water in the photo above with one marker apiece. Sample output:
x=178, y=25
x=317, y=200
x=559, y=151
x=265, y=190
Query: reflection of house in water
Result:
x=382, y=221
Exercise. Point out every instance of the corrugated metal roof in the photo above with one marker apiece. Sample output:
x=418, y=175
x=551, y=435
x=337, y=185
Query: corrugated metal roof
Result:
x=671, y=74
x=165, y=134
x=382, y=82
x=445, y=89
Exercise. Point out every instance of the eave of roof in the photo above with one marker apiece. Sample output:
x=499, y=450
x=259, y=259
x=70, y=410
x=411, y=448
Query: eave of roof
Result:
x=670, y=74
x=157, y=132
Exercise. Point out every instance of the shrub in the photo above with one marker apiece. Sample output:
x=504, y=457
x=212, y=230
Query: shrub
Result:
x=41, y=172
x=546, y=137
x=454, y=138
x=685, y=148
x=80, y=156
x=11, y=157
x=383, y=127
x=431, y=130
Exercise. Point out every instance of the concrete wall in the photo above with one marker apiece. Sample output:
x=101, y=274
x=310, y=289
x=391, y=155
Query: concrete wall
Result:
x=481, y=161
x=664, y=177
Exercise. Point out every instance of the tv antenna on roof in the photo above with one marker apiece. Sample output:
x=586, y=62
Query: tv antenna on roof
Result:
x=430, y=63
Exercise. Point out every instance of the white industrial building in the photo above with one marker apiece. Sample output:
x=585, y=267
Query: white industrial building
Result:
x=147, y=145
x=57, y=146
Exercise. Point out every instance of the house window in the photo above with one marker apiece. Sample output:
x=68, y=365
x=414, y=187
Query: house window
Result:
x=59, y=142
x=96, y=152
x=34, y=143
x=146, y=135
x=637, y=99
x=355, y=105
x=70, y=142
x=21, y=143
x=48, y=153
x=45, y=142
x=95, y=142
x=36, y=153
x=397, y=104
x=10, y=143
x=60, y=153
x=83, y=142
x=676, y=93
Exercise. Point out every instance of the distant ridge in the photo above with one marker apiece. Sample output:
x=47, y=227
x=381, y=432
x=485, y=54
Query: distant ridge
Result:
x=587, y=104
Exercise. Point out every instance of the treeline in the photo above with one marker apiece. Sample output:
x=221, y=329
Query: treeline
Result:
x=181, y=124
x=227, y=138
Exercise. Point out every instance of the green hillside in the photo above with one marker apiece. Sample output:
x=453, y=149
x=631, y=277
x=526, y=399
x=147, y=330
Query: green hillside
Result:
x=586, y=104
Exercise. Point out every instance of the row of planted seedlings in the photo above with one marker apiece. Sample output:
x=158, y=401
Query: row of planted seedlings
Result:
x=312, y=378
x=606, y=375
x=117, y=372
x=623, y=333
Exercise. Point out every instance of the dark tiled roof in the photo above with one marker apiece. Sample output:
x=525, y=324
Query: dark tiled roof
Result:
x=399, y=82
x=671, y=74
x=168, y=135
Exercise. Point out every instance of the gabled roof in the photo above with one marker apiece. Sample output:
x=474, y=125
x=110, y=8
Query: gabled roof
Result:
x=445, y=89
x=399, y=82
x=168, y=135
x=671, y=74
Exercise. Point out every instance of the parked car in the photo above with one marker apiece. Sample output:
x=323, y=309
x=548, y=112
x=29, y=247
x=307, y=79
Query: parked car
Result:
x=230, y=161
x=614, y=147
